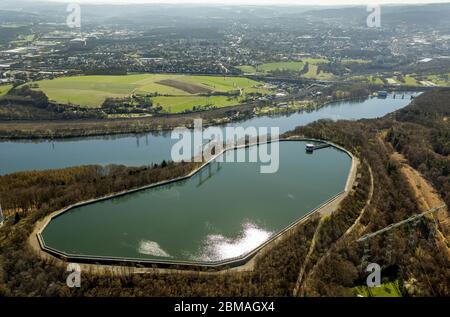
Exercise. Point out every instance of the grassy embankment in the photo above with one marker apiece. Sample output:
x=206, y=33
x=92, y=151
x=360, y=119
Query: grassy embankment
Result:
x=4, y=89
x=390, y=289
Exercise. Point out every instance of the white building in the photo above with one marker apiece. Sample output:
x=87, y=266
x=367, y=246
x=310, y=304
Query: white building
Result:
x=310, y=147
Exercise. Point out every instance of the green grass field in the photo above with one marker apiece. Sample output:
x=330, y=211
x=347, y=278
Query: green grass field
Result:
x=24, y=40
x=385, y=290
x=316, y=61
x=291, y=66
x=247, y=69
x=411, y=81
x=270, y=67
x=355, y=61
x=441, y=80
x=4, y=89
x=176, y=104
x=375, y=80
x=91, y=91
x=313, y=73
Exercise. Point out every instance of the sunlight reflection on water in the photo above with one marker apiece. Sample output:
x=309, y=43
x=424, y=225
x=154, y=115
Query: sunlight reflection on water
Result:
x=217, y=247
x=152, y=248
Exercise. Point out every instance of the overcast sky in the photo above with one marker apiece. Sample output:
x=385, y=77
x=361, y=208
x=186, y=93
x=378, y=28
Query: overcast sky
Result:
x=255, y=2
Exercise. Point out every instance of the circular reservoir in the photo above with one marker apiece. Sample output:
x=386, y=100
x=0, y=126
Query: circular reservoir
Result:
x=223, y=212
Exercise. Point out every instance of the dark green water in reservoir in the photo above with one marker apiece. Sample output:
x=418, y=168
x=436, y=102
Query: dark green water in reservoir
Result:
x=225, y=211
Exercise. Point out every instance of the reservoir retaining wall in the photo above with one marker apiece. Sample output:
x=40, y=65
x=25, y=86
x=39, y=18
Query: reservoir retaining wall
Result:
x=214, y=266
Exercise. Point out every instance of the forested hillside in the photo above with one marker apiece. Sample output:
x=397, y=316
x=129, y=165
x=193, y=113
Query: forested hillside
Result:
x=422, y=134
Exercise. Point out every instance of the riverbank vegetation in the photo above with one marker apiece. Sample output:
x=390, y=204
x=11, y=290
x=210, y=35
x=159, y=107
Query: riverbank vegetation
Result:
x=334, y=262
x=50, y=129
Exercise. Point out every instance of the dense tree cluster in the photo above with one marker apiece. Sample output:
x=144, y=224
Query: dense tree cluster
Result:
x=28, y=191
x=422, y=134
x=25, y=103
x=35, y=97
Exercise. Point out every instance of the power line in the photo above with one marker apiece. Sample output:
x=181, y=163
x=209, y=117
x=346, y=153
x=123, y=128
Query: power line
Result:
x=398, y=224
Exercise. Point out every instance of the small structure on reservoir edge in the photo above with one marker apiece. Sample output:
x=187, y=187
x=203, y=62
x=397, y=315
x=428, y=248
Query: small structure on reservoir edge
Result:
x=382, y=94
x=310, y=148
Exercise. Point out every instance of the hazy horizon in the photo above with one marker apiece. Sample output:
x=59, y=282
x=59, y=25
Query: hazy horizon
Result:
x=258, y=2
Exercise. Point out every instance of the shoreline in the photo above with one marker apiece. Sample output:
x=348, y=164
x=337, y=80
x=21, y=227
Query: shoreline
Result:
x=140, y=126
x=243, y=262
